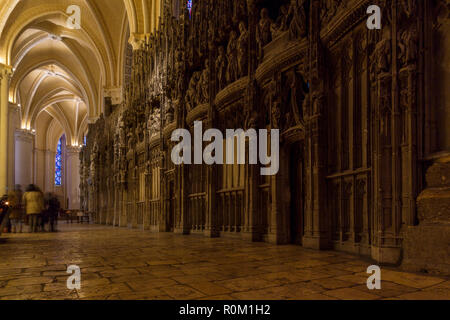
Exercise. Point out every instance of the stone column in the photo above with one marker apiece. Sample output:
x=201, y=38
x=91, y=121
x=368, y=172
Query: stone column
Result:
x=24, y=142
x=13, y=125
x=73, y=177
x=49, y=171
x=5, y=73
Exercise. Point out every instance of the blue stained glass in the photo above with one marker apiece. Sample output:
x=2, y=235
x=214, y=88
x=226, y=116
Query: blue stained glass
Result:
x=58, y=163
x=189, y=6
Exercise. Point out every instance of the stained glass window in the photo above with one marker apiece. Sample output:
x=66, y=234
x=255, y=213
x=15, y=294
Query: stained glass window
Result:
x=189, y=6
x=58, y=163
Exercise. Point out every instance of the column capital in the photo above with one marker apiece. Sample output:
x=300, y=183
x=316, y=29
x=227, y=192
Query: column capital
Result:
x=5, y=71
x=13, y=107
x=115, y=93
x=24, y=135
x=137, y=40
x=93, y=120
x=72, y=150
x=50, y=152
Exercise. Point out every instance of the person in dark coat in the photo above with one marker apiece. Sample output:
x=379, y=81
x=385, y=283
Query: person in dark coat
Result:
x=52, y=210
x=4, y=214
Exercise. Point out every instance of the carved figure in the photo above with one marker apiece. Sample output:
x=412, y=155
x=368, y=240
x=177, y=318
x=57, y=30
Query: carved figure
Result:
x=243, y=51
x=204, y=84
x=281, y=24
x=221, y=66
x=263, y=30
x=232, y=70
x=297, y=28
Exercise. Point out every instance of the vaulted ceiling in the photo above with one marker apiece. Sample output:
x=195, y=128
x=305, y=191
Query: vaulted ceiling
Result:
x=62, y=74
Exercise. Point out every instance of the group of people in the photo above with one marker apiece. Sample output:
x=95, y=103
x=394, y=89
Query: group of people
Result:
x=32, y=208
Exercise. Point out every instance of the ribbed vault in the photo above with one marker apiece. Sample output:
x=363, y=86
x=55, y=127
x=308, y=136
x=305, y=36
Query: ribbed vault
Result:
x=66, y=73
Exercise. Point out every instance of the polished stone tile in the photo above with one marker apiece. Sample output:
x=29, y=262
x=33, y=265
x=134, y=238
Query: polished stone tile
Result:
x=125, y=264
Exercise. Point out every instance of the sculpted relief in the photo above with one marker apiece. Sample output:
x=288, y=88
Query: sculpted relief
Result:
x=328, y=86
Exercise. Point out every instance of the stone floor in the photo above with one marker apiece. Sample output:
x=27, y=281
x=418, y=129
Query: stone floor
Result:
x=131, y=264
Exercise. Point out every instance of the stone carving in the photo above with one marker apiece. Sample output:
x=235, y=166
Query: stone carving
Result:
x=154, y=124
x=221, y=68
x=169, y=114
x=232, y=55
x=243, y=51
x=295, y=85
x=409, y=7
x=408, y=46
x=191, y=94
x=131, y=141
x=204, y=84
x=282, y=23
x=329, y=8
x=297, y=28
x=339, y=120
x=263, y=30
x=382, y=56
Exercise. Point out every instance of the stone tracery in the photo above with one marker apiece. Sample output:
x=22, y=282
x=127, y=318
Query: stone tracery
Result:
x=329, y=91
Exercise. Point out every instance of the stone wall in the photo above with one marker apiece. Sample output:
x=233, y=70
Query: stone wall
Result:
x=350, y=104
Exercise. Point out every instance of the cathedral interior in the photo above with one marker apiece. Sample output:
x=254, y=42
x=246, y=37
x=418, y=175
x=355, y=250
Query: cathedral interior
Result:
x=92, y=92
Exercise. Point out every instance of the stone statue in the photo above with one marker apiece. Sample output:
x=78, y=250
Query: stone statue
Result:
x=281, y=24
x=297, y=28
x=169, y=116
x=296, y=91
x=240, y=10
x=154, y=123
x=221, y=66
x=131, y=141
x=232, y=70
x=204, y=83
x=409, y=46
x=263, y=31
x=382, y=56
x=191, y=101
x=243, y=51
x=94, y=153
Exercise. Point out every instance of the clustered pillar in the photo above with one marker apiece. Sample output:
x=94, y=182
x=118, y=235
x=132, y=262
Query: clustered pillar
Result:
x=5, y=74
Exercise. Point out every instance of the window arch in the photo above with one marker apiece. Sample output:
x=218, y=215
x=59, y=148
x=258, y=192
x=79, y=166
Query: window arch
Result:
x=189, y=6
x=58, y=162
